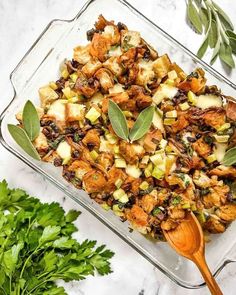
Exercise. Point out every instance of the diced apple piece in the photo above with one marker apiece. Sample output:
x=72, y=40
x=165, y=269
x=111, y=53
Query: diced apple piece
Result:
x=164, y=91
x=208, y=100
x=58, y=110
x=74, y=112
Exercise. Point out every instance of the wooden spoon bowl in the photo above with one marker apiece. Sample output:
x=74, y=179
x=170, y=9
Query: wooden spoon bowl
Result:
x=188, y=241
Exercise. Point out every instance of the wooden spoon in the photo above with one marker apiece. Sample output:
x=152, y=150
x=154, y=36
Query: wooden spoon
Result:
x=187, y=240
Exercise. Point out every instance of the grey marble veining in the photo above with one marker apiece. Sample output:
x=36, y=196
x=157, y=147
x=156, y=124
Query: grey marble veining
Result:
x=20, y=24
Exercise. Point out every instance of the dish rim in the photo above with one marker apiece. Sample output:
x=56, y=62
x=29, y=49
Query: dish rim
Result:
x=36, y=168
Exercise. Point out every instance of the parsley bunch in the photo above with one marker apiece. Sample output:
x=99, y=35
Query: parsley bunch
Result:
x=37, y=248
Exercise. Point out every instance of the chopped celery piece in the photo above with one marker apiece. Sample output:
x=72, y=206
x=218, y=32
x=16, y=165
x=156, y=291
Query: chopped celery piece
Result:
x=65, y=73
x=171, y=114
x=144, y=185
x=157, y=159
x=120, y=163
x=224, y=127
x=117, y=210
x=221, y=138
x=68, y=93
x=169, y=121
x=192, y=98
x=170, y=82
x=201, y=217
x=158, y=173
x=105, y=206
x=211, y=158
x=186, y=205
x=128, y=114
x=74, y=77
x=92, y=115
x=94, y=155
x=118, y=194
x=184, y=106
x=66, y=160
x=118, y=183
x=111, y=138
x=148, y=170
x=124, y=199
x=116, y=149
x=73, y=99
x=53, y=85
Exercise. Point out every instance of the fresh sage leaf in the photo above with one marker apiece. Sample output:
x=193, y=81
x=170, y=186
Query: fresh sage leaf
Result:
x=230, y=157
x=233, y=44
x=31, y=122
x=194, y=17
x=223, y=15
x=22, y=139
x=215, y=52
x=204, y=17
x=142, y=124
x=226, y=55
x=118, y=120
x=213, y=34
x=203, y=48
x=231, y=34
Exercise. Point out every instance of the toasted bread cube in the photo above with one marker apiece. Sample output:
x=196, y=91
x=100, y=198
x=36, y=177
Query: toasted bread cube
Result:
x=41, y=143
x=81, y=54
x=105, y=78
x=113, y=65
x=91, y=67
x=130, y=39
x=47, y=95
x=74, y=112
x=146, y=73
x=57, y=110
x=161, y=66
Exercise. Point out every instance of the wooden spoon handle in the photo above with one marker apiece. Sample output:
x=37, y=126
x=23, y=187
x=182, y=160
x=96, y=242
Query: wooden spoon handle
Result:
x=200, y=261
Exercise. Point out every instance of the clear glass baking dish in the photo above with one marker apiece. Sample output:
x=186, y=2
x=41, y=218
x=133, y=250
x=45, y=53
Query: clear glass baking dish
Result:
x=41, y=64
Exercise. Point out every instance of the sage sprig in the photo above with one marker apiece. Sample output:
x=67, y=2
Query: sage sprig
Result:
x=142, y=124
x=207, y=17
x=31, y=121
x=118, y=120
x=230, y=157
x=31, y=128
x=120, y=126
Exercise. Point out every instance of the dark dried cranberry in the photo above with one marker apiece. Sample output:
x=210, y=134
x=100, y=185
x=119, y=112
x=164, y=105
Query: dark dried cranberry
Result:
x=147, y=54
x=121, y=26
x=90, y=34
x=69, y=175
x=74, y=63
x=45, y=122
x=191, y=139
x=57, y=162
x=198, y=135
x=60, y=83
x=75, y=154
x=90, y=146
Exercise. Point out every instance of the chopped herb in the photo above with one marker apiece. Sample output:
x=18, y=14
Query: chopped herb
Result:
x=156, y=211
x=176, y=200
x=204, y=191
x=208, y=139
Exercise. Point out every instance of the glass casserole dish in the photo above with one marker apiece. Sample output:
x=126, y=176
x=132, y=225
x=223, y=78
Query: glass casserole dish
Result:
x=41, y=64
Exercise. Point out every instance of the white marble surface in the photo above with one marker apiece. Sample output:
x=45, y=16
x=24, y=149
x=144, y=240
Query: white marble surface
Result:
x=21, y=21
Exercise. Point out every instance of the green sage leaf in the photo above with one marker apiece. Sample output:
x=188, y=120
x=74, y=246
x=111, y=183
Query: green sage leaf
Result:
x=213, y=34
x=233, y=44
x=118, y=120
x=226, y=55
x=230, y=157
x=203, y=48
x=224, y=16
x=31, y=122
x=142, y=124
x=204, y=17
x=215, y=52
x=194, y=17
x=22, y=139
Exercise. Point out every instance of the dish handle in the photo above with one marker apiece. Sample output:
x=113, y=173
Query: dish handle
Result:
x=38, y=53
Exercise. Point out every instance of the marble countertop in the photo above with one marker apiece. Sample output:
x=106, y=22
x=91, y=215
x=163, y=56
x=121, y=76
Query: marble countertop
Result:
x=20, y=24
